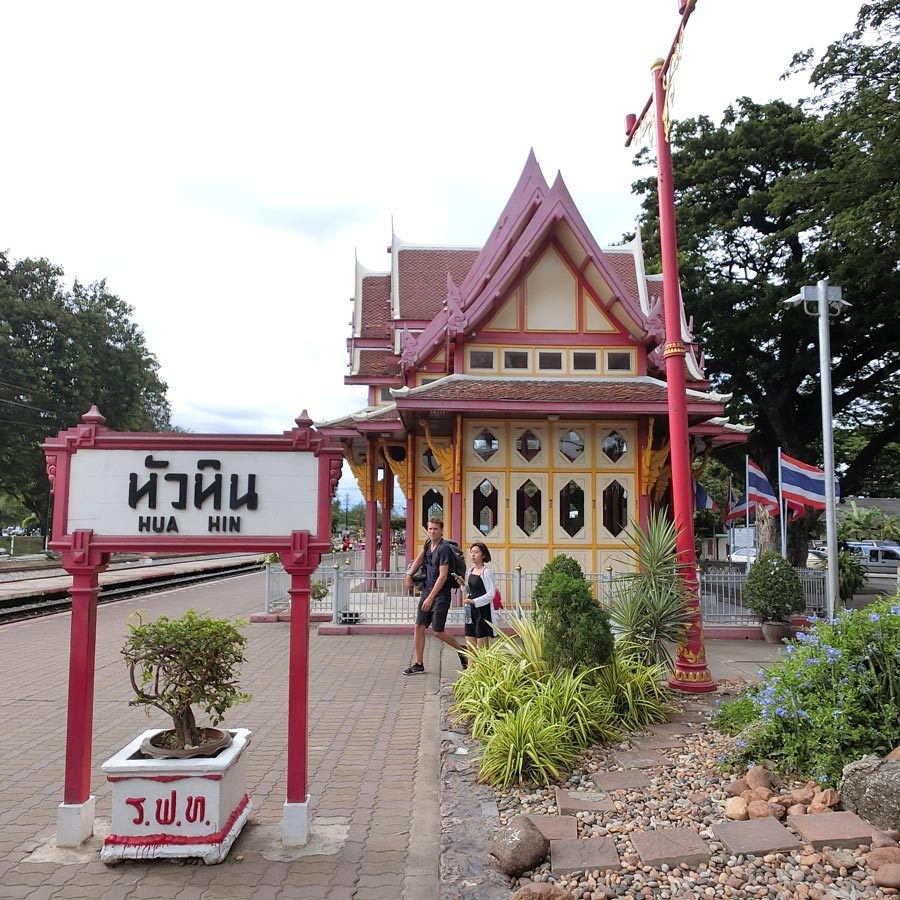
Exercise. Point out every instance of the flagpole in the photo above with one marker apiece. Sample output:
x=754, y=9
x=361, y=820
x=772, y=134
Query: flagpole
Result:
x=783, y=510
x=747, y=498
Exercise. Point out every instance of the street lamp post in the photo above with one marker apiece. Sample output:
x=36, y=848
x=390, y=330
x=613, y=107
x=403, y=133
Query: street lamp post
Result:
x=824, y=300
x=691, y=671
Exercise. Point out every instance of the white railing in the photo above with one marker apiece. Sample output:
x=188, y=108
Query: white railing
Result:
x=356, y=596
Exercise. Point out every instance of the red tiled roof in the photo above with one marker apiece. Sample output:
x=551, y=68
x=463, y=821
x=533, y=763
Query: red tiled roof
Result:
x=376, y=306
x=654, y=290
x=378, y=363
x=422, y=278
x=549, y=390
x=622, y=265
x=386, y=416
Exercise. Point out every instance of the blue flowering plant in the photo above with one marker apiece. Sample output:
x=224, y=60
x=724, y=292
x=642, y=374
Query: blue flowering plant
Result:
x=773, y=589
x=833, y=697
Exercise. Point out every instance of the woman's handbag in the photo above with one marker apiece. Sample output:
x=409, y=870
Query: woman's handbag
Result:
x=498, y=600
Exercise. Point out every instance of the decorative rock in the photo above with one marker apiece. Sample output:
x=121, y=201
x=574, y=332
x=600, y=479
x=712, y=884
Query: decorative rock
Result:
x=736, y=788
x=882, y=856
x=804, y=795
x=570, y=802
x=827, y=797
x=777, y=811
x=763, y=793
x=555, y=827
x=747, y=795
x=840, y=858
x=888, y=876
x=884, y=839
x=758, y=809
x=893, y=755
x=519, y=847
x=543, y=890
x=758, y=776
x=798, y=809
x=736, y=809
x=871, y=787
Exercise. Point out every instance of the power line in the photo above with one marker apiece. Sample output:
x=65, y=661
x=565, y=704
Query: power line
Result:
x=29, y=406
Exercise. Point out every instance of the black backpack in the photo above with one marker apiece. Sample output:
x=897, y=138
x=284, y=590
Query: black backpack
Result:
x=457, y=565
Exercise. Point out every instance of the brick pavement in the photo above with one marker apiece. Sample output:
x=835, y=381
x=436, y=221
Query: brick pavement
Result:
x=373, y=761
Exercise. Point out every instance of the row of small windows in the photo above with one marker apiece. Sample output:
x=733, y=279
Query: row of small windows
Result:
x=551, y=360
x=485, y=499
x=485, y=444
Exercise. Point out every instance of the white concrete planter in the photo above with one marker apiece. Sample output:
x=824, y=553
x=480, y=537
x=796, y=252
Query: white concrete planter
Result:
x=176, y=807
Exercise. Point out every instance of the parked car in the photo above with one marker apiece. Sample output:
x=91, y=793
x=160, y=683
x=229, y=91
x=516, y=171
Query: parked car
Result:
x=743, y=555
x=816, y=559
x=877, y=556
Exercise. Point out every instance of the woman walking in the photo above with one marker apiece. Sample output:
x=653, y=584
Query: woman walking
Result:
x=479, y=589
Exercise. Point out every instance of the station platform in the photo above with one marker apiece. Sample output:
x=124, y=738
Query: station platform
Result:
x=373, y=760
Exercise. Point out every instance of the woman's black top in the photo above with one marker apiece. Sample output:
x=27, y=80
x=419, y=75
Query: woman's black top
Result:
x=475, y=585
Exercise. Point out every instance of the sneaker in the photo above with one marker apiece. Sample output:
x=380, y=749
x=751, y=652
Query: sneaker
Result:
x=463, y=661
x=415, y=669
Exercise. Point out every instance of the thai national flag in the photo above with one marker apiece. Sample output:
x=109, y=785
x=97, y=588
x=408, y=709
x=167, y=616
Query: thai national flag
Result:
x=761, y=491
x=803, y=483
x=703, y=500
x=735, y=509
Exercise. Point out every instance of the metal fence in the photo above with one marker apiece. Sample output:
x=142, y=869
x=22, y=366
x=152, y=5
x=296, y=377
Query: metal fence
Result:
x=355, y=596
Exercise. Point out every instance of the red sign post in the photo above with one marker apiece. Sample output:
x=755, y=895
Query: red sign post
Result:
x=141, y=491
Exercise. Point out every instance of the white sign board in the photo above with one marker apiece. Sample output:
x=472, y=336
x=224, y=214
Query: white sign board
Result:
x=194, y=493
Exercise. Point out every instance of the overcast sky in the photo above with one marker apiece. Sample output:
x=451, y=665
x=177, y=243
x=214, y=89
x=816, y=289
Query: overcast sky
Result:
x=220, y=163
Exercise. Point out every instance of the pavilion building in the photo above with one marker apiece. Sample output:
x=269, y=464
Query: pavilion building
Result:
x=517, y=390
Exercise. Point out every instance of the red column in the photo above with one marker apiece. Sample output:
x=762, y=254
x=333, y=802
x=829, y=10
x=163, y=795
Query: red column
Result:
x=387, y=506
x=372, y=507
x=82, y=652
x=691, y=671
x=298, y=687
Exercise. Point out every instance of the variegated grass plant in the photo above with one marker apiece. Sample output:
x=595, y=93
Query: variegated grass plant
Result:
x=534, y=721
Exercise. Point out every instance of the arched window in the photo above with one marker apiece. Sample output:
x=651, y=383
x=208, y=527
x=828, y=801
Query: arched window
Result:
x=432, y=506
x=571, y=508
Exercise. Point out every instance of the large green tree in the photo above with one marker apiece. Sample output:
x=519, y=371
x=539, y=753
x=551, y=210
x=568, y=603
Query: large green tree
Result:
x=62, y=349
x=776, y=196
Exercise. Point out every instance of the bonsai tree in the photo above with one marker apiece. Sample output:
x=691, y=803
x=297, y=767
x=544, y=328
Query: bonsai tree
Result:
x=576, y=628
x=176, y=664
x=773, y=589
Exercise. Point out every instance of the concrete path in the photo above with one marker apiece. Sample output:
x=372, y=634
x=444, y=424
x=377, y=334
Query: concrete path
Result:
x=374, y=758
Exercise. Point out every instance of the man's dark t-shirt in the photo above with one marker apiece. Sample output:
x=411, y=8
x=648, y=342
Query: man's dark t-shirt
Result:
x=442, y=556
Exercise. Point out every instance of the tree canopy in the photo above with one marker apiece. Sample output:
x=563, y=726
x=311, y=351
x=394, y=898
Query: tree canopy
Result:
x=779, y=195
x=62, y=349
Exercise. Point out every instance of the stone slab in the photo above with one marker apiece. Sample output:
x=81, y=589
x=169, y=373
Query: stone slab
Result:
x=756, y=836
x=641, y=759
x=570, y=802
x=594, y=853
x=678, y=727
x=555, y=828
x=670, y=846
x=626, y=780
x=659, y=741
x=835, y=829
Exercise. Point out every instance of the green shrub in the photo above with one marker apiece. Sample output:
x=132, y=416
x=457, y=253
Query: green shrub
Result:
x=851, y=574
x=175, y=664
x=650, y=612
x=318, y=590
x=733, y=717
x=576, y=628
x=773, y=589
x=833, y=697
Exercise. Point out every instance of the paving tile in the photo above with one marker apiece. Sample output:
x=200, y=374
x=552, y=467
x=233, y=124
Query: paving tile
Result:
x=835, y=829
x=673, y=728
x=659, y=741
x=556, y=828
x=570, y=854
x=756, y=836
x=670, y=846
x=570, y=802
x=641, y=759
x=626, y=780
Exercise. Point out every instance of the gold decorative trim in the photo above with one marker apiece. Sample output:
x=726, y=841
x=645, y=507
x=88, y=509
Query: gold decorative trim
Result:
x=446, y=457
x=674, y=348
x=400, y=469
x=360, y=473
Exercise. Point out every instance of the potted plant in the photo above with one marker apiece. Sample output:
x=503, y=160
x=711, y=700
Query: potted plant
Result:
x=774, y=592
x=181, y=791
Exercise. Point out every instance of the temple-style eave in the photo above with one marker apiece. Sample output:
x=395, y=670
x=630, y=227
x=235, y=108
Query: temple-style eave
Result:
x=538, y=408
x=386, y=380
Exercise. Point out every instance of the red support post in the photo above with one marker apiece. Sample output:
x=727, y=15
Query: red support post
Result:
x=82, y=652
x=371, y=552
x=691, y=671
x=387, y=506
x=298, y=687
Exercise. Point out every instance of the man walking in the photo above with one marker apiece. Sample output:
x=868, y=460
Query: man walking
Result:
x=434, y=603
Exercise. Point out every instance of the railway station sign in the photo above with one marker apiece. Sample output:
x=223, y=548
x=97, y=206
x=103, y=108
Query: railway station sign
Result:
x=151, y=491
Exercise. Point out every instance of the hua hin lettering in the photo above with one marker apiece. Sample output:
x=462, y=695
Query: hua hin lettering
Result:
x=203, y=489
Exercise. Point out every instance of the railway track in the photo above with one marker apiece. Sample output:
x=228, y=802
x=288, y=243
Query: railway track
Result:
x=14, y=610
